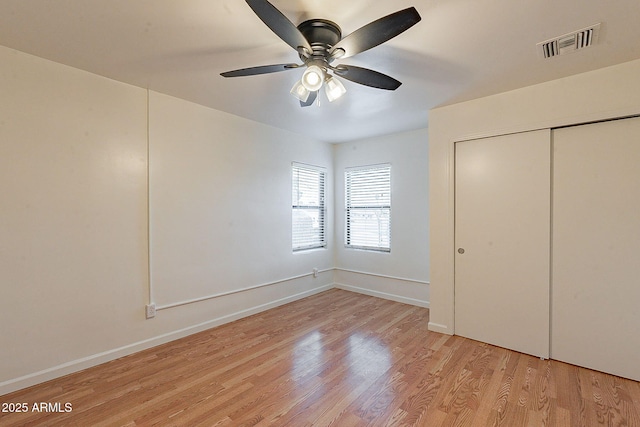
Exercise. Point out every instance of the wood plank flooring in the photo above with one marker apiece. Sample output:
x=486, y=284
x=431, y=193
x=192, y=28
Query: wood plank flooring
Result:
x=333, y=359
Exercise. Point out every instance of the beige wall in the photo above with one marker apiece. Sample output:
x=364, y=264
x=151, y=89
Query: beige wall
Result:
x=606, y=93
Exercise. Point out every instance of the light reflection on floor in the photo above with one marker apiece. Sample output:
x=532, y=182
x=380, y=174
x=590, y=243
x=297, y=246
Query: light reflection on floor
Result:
x=368, y=356
x=364, y=356
x=308, y=355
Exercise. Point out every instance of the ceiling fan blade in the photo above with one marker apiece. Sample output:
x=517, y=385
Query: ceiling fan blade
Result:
x=279, y=24
x=312, y=98
x=367, y=77
x=263, y=69
x=376, y=33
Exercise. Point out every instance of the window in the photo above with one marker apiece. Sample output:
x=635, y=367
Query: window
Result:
x=368, y=207
x=307, y=207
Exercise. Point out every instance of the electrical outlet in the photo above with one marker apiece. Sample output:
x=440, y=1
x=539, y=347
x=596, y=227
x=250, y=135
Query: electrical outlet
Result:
x=150, y=310
x=315, y=272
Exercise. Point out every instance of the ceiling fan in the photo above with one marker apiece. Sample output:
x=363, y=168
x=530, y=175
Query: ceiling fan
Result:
x=319, y=42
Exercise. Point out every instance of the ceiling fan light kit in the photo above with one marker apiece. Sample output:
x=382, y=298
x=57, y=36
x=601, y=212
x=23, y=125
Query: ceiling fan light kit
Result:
x=319, y=42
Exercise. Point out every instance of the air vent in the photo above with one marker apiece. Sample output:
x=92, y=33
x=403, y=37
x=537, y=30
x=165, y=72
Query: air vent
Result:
x=569, y=42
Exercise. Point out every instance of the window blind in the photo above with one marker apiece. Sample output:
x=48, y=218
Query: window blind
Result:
x=308, y=207
x=368, y=207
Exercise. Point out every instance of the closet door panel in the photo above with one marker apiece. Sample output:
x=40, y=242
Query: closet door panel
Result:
x=502, y=241
x=596, y=247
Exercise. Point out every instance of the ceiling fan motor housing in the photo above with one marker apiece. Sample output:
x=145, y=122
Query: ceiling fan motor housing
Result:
x=321, y=34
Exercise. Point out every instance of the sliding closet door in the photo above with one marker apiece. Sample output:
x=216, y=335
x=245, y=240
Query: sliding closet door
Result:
x=502, y=241
x=596, y=247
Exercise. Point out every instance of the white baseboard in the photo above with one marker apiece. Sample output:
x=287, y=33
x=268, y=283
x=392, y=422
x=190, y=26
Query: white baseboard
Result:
x=97, y=359
x=437, y=327
x=383, y=295
x=400, y=289
x=38, y=377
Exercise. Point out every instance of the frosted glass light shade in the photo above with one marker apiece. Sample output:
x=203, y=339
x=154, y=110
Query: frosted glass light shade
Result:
x=300, y=92
x=334, y=89
x=312, y=78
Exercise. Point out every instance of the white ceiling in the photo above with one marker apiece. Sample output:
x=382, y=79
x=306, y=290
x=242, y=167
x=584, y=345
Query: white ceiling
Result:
x=462, y=49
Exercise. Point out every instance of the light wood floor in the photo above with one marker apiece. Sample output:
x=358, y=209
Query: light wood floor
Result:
x=340, y=359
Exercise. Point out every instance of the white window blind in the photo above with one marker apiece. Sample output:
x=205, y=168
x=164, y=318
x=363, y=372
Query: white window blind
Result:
x=308, y=210
x=368, y=207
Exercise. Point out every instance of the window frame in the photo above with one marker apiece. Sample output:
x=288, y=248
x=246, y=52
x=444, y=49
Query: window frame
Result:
x=321, y=209
x=348, y=230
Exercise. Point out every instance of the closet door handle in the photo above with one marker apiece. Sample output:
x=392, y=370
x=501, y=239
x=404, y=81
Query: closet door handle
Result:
x=460, y=251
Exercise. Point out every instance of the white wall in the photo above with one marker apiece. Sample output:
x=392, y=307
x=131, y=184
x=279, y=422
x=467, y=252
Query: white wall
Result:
x=113, y=196
x=606, y=93
x=73, y=228
x=74, y=208
x=402, y=274
x=220, y=202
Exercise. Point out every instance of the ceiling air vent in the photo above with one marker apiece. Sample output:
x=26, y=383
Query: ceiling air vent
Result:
x=569, y=42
